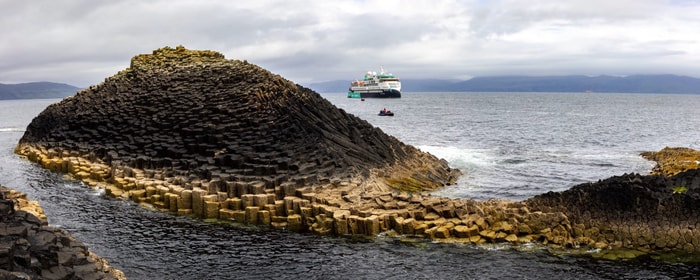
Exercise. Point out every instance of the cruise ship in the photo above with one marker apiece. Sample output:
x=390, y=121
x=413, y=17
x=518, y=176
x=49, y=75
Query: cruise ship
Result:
x=382, y=85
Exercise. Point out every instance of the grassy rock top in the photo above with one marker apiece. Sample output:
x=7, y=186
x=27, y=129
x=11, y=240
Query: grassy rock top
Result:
x=673, y=160
x=169, y=57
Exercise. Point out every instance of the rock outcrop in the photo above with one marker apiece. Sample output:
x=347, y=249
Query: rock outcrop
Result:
x=29, y=249
x=631, y=211
x=671, y=161
x=195, y=115
x=194, y=133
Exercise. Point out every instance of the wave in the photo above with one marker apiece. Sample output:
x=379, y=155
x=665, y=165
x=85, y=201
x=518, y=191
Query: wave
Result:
x=11, y=129
x=514, y=161
x=461, y=157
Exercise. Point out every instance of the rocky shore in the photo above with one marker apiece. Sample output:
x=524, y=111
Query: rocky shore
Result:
x=671, y=161
x=197, y=134
x=29, y=249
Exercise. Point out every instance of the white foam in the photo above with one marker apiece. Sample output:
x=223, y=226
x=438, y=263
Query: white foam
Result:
x=11, y=129
x=461, y=156
x=98, y=192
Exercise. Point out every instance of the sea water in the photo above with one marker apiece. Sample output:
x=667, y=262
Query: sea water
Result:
x=509, y=146
x=516, y=145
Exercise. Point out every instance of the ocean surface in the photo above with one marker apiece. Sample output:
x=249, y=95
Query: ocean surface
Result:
x=516, y=145
x=509, y=146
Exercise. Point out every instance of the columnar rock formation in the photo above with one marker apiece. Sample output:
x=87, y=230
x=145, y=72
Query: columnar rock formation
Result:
x=631, y=211
x=194, y=133
x=194, y=114
x=29, y=249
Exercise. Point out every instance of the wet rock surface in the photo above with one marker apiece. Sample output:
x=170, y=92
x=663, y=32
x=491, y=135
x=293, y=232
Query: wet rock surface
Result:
x=196, y=134
x=30, y=249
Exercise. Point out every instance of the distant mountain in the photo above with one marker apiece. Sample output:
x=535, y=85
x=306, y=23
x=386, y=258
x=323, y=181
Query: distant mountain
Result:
x=629, y=84
x=36, y=90
x=330, y=86
x=636, y=84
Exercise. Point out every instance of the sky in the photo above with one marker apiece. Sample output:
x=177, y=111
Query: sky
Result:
x=82, y=42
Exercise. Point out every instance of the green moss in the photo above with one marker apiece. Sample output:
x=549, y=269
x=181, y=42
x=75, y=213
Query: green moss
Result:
x=680, y=189
x=408, y=184
x=619, y=254
x=678, y=257
x=170, y=57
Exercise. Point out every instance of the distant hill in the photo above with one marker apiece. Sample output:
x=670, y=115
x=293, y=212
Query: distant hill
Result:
x=629, y=84
x=36, y=90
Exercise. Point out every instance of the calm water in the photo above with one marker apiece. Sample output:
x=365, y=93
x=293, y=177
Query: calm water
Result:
x=509, y=145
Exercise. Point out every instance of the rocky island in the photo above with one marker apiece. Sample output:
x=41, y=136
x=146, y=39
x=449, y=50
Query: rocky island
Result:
x=194, y=133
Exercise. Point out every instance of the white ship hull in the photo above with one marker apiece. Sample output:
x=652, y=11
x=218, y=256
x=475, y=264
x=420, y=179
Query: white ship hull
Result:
x=384, y=85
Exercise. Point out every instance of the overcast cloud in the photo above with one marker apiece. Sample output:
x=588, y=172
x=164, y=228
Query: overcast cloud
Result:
x=81, y=42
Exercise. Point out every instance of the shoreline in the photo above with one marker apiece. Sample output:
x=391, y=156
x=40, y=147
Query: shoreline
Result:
x=365, y=207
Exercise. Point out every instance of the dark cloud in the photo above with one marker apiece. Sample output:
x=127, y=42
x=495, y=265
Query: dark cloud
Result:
x=83, y=41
